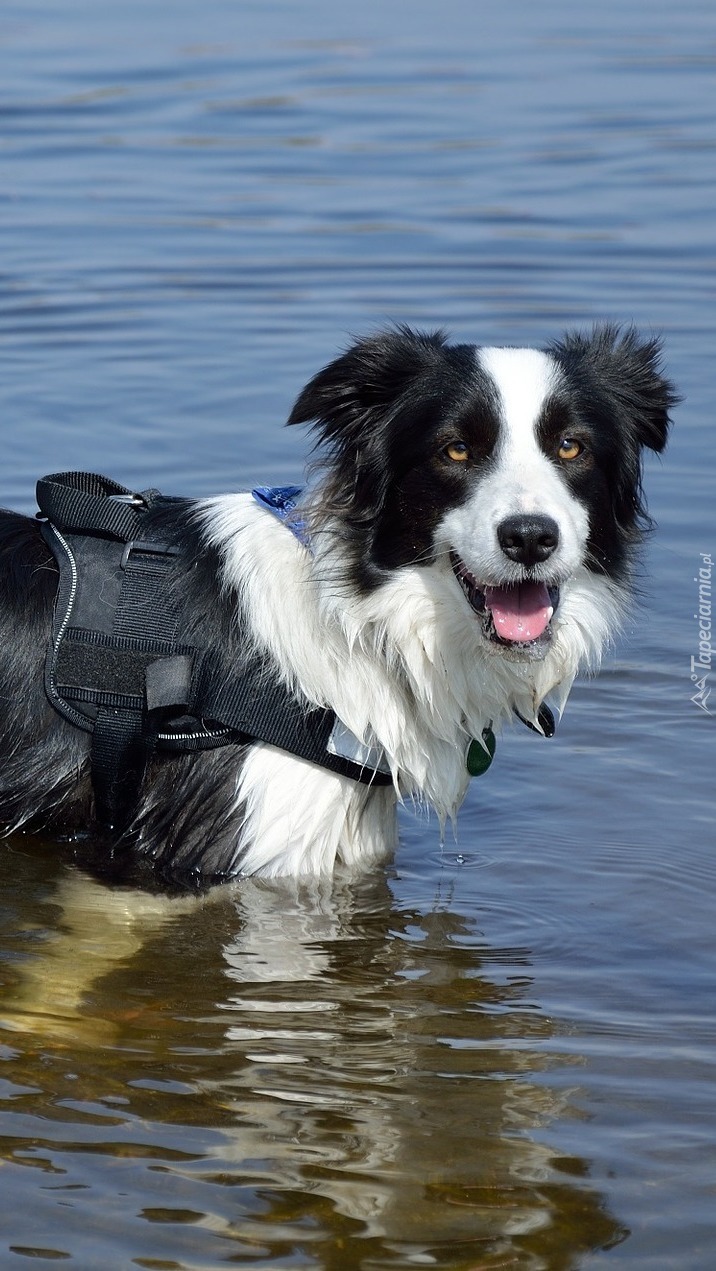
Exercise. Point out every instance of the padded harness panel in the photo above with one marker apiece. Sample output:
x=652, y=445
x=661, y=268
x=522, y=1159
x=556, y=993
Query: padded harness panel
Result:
x=119, y=666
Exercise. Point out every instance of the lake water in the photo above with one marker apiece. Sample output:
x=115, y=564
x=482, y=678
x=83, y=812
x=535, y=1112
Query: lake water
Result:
x=500, y=1053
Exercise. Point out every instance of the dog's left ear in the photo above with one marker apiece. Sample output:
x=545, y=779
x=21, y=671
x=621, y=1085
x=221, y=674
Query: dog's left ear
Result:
x=627, y=369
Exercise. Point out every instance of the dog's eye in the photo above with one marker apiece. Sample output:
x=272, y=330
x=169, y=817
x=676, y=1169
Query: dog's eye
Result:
x=569, y=448
x=457, y=451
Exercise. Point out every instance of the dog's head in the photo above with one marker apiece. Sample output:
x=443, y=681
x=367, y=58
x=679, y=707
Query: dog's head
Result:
x=512, y=470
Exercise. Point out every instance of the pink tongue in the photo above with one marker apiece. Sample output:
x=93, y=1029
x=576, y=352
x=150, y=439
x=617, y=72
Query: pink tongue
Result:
x=520, y=613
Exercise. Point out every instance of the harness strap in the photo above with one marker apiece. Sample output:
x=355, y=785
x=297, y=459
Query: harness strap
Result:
x=259, y=707
x=115, y=664
x=125, y=739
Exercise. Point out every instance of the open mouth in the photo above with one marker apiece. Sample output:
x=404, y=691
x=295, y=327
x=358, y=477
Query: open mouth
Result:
x=518, y=615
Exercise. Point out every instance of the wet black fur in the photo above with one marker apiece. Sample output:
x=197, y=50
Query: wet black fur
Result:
x=618, y=401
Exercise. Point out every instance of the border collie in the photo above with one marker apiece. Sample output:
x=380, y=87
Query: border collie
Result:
x=466, y=547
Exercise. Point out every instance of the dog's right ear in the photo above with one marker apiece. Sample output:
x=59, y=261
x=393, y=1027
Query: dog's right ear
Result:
x=356, y=390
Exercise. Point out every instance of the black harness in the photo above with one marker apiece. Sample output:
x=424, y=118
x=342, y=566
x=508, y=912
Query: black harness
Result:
x=122, y=665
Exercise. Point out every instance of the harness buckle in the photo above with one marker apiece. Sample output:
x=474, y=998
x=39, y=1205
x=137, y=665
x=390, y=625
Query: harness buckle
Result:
x=135, y=500
x=148, y=548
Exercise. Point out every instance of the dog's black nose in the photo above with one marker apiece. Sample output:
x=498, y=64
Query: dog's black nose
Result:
x=528, y=539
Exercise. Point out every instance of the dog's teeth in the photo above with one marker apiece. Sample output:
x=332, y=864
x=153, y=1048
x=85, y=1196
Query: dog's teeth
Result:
x=550, y=611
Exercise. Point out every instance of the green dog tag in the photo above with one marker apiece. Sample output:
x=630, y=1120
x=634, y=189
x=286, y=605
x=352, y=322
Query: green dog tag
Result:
x=478, y=759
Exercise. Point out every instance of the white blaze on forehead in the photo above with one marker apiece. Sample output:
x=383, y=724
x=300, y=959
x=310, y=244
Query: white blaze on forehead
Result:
x=522, y=479
x=524, y=378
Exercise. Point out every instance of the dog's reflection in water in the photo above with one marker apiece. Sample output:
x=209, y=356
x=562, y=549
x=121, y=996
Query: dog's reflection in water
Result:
x=356, y=1064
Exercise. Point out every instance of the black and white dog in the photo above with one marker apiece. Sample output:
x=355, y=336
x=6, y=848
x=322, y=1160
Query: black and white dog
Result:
x=466, y=547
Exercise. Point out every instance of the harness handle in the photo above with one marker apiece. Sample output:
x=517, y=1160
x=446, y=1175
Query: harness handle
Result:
x=79, y=501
